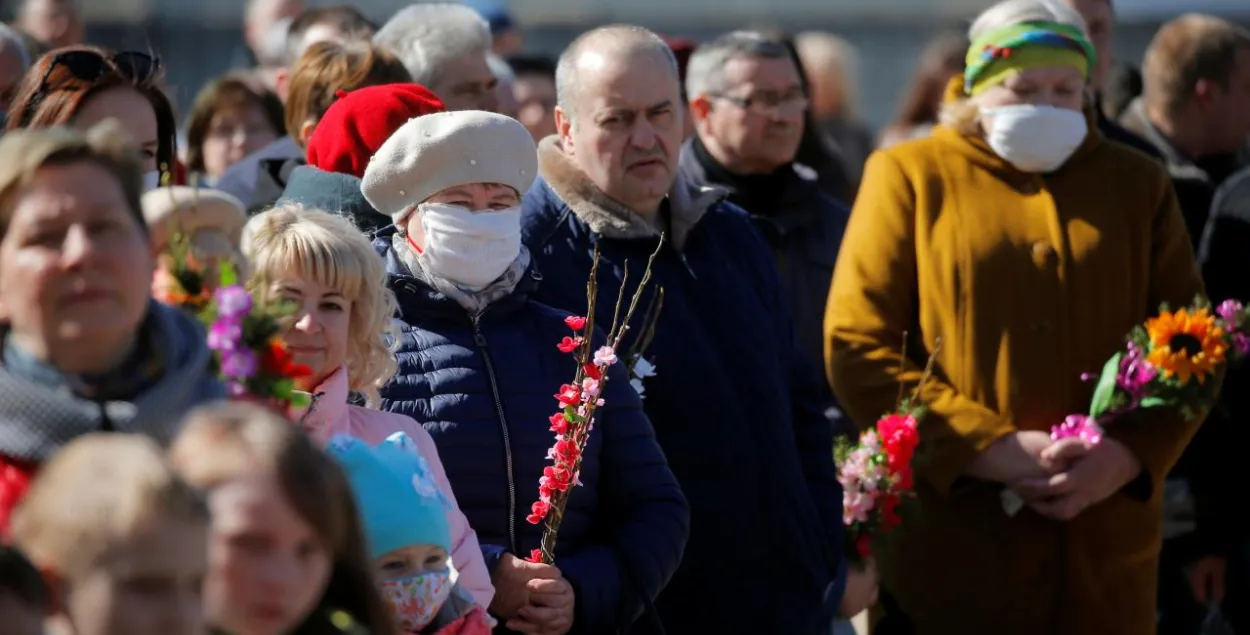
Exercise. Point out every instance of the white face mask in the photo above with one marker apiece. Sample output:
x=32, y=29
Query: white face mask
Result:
x=151, y=180
x=1035, y=138
x=470, y=249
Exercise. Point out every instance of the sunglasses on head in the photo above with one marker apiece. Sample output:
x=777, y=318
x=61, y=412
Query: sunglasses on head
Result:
x=90, y=66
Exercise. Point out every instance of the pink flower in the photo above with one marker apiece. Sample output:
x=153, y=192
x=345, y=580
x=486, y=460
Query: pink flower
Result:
x=559, y=424
x=574, y=322
x=233, y=302
x=240, y=364
x=224, y=335
x=855, y=507
x=1078, y=427
x=558, y=477
x=569, y=344
x=605, y=356
x=1241, y=342
x=590, y=389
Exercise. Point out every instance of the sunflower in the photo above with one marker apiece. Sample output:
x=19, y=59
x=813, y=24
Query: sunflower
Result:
x=1185, y=344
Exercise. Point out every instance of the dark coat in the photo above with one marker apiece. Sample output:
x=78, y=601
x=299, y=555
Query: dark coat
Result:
x=483, y=387
x=734, y=404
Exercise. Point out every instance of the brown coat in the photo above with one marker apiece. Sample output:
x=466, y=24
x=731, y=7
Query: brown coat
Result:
x=1030, y=281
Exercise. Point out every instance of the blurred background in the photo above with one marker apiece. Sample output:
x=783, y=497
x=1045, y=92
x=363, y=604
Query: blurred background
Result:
x=200, y=39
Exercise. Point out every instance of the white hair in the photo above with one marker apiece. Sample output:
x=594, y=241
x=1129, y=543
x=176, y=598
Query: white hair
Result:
x=632, y=40
x=964, y=115
x=273, y=50
x=427, y=37
x=1009, y=12
x=10, y=38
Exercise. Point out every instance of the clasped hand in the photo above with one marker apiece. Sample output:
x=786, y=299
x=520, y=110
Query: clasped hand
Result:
x=532, y=598
x=1061, y=479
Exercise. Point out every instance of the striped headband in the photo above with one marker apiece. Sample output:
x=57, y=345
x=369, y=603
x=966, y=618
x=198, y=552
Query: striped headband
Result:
x=998, y=54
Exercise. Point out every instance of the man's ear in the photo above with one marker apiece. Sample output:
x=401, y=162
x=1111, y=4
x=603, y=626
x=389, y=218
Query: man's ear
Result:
x=700, y=107
x=564, y=128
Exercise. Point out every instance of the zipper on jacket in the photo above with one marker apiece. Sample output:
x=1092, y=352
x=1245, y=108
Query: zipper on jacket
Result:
x=480, y=341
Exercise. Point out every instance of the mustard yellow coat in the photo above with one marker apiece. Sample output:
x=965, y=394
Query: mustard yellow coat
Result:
x=1030, y=281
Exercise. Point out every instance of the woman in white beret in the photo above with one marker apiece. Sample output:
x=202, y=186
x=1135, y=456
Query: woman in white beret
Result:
x=478, y=366
x=211, y=221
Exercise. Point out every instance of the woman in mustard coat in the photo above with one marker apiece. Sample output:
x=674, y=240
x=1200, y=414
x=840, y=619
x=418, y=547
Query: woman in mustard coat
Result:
x=1029, y=245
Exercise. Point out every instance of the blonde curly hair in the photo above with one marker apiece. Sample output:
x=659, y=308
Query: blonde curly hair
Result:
x=330, y=250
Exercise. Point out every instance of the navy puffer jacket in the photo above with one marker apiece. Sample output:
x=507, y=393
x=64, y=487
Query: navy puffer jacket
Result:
x=483, y=387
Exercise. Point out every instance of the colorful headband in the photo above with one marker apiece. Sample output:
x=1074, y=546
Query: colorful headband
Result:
x=996, y=55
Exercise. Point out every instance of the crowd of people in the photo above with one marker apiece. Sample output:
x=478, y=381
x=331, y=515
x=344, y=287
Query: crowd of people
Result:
x=430, y=203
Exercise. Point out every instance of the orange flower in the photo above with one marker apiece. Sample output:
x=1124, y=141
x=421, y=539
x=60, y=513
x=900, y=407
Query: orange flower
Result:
x=1185, y=344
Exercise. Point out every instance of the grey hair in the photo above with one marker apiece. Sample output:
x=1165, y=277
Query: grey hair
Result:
x=634, y=39
x=426, y=37
x=964, y=115
x=10, y=37
x=705, y=72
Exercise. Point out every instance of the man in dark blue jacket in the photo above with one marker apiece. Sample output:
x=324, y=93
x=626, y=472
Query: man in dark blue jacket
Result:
x=734, y=404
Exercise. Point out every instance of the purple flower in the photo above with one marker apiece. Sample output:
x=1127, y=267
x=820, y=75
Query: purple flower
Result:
x=1078, y=427
x=225, y=335
x=1229, y=310
x=235, y=389
x=233, y=301
x=1136, y=373
x=1241, y=342
x=238, y=364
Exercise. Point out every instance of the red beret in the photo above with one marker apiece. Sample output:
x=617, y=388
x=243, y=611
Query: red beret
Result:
x=359, y=122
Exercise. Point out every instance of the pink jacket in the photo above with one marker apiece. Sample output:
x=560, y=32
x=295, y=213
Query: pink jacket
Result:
x=331, y=414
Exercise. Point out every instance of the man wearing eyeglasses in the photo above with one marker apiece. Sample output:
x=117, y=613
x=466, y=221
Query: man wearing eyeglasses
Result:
x=747, y=101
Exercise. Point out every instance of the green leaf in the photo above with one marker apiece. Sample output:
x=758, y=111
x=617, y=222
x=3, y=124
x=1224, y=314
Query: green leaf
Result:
x=1154, y=402
x=1104, y=393
x=229, y=276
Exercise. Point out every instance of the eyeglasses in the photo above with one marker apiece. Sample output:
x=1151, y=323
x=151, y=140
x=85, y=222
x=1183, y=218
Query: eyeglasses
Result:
x=89, y=66
x=768, y=104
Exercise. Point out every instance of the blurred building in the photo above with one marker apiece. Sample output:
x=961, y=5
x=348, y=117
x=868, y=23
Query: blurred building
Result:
x=199, y=40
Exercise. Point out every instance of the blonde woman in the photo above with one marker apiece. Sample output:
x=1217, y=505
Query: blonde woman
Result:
x=1030, y=245
x=327, y=268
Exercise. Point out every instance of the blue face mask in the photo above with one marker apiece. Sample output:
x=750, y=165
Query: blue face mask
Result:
x=415, y=601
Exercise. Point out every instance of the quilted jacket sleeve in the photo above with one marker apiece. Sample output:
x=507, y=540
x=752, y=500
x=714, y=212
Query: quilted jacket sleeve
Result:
x=646, y=519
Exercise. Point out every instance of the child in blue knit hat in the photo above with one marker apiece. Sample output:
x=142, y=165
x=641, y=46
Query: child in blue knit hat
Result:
x=404, y=515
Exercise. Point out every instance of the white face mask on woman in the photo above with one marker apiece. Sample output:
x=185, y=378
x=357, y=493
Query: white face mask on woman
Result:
x=1035, y=138
x=469, y=249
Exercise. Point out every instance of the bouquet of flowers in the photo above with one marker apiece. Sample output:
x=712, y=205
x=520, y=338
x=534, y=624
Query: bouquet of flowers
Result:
x=876, y=471
x=580, y=400
x=1170, y=361
x=245, y=337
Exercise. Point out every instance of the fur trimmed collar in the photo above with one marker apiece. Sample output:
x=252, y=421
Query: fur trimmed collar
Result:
x=606, y=216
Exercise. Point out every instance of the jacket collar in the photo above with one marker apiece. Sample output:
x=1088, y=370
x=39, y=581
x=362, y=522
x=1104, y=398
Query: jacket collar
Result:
x=1136, y=120
x=979, y=151
x=687, y=202
x=327, y=410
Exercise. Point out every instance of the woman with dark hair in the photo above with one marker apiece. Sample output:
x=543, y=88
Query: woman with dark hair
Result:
x=941, y=60
x=232, y=117
x=81, y=86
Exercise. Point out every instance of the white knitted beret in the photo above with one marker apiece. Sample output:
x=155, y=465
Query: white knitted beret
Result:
x=188, y=210
x=434, y=152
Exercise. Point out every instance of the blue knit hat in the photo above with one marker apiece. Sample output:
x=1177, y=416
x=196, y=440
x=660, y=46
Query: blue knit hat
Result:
x=495, y=13
x=400, y=503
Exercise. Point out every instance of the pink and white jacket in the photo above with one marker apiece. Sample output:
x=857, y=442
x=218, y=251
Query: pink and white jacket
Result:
x=330, y=414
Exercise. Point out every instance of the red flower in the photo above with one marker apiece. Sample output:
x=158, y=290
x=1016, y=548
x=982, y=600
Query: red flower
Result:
x=567, y=452
x=536, y=556
x=899, y=438
x=538, y=511
x=592, y=371
x=559, y=424
x=575, y=323
x=275, y=361
x=906, y=479
x=863, y=545
x=544, y=490
x=569, y=344
x=889, y=511
x=15, y=478
x=558, y=477
x=569, y=395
